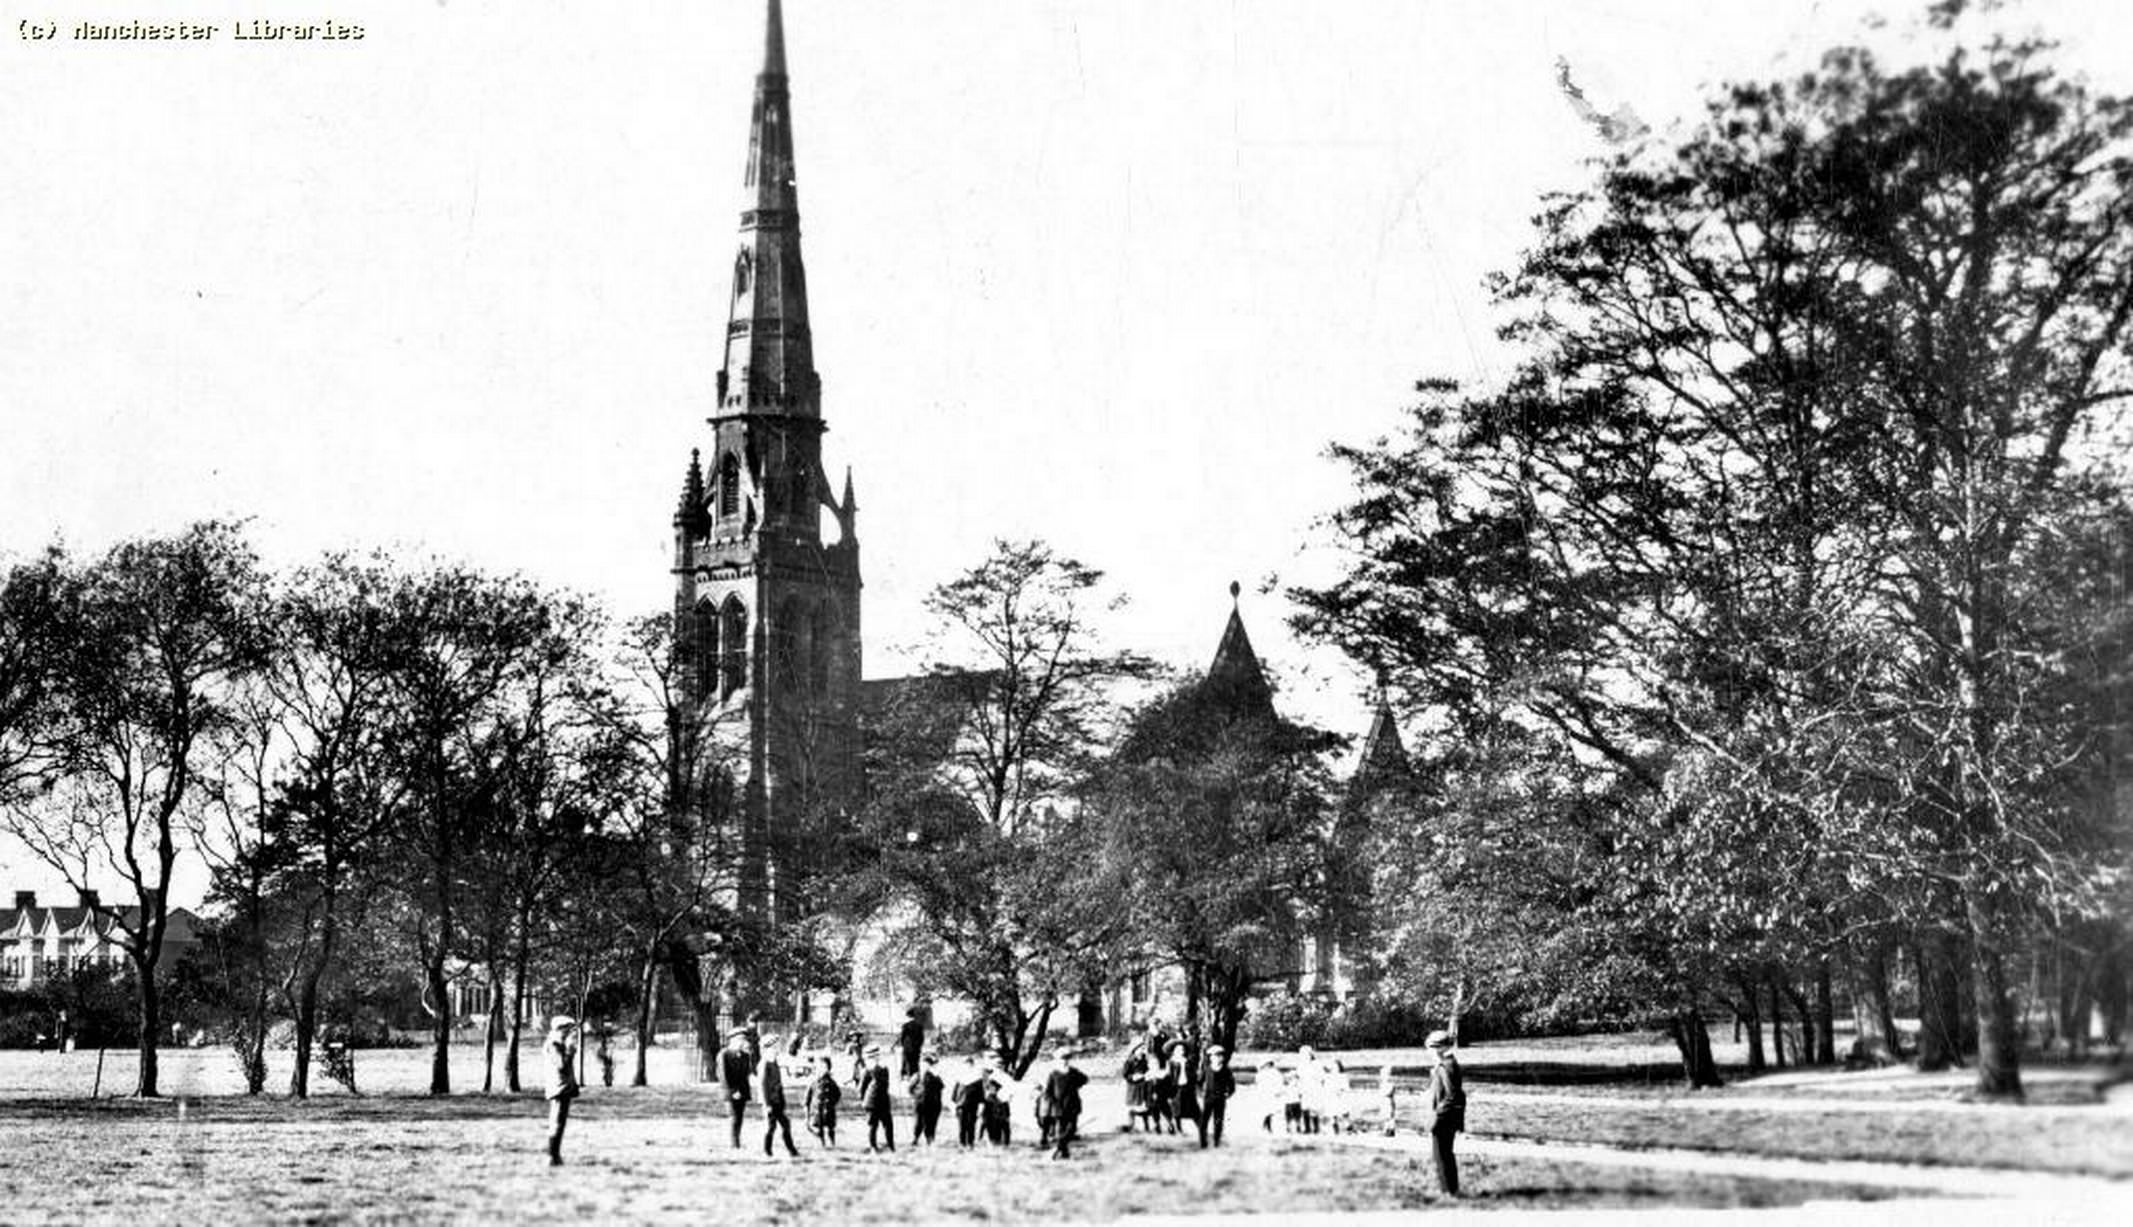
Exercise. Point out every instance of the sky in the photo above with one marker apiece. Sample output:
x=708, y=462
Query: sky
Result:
x=1109, y=273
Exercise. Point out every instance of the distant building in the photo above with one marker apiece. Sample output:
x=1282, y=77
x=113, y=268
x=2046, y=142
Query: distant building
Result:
x=38, y=944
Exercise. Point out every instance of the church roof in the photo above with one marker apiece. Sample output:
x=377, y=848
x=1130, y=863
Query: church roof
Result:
x=1384, y=759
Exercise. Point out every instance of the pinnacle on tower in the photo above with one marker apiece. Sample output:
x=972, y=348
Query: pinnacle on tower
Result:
x=774, y=42
x=1236, y=669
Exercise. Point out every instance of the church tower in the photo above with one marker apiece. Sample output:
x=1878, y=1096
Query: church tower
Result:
x=767, y=607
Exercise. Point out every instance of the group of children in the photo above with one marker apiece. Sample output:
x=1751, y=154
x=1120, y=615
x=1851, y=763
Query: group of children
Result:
x=1168, y=1081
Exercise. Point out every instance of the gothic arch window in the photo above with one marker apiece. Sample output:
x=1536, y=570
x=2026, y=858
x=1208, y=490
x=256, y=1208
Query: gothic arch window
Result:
x=729, y=486
x=702, y=647
x=733, y=639
x=743, y=268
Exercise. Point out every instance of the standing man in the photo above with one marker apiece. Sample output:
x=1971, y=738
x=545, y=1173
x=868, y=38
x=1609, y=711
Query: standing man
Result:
x=771, y=1079
x=562, y=1051
x=874, y=1098
x=911, y=1040
x=968, y=1096
x=1447, y=1108
x=926, y=1090
x=1217, y=1086
x=1060, y=1107
x=735, y=1073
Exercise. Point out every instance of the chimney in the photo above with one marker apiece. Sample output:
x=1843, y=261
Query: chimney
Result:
x=25, y=898
x=88, y=897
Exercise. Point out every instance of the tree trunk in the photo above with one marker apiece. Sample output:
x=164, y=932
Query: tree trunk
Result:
x=2109, y=979
x=1777, y=1021
x=520, y=957
x=1751, y=1014
x=1693, y=1038
x=306, y=1031
x=151, y=1007
x=489, y=1030
x=1940, y=1024
x=647, y=1007
x=440, y=1024
x=1873, y=1021
x=1825, y=1015
x=1999, y=1042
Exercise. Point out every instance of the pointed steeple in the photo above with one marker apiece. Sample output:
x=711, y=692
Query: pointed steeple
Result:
x=1236, y=672
x=770, y=362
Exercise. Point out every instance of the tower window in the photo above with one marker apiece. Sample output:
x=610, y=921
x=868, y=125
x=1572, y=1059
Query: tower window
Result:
x=702, y=647
x=743, y=266
x=821, y=643
x=733, y=639
x=729, y=486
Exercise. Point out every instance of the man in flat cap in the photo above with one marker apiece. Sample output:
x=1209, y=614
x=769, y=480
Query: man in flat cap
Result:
x=562, y=1052
x=1447, y=1106
x=1218, y=1085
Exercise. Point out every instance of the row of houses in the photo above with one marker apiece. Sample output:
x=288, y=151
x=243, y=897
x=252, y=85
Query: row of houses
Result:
x=40, y=943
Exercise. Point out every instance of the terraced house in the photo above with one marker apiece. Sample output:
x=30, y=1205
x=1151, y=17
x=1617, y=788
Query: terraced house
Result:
x=39, y=943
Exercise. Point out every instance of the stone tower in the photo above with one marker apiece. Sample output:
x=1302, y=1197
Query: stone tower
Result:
x=767, y=607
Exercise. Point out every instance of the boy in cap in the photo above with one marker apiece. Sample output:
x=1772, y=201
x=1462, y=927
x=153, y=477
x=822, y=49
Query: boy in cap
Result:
x=822, y=1096
x=1217, y=1086
x=968, y=1096
x=1447, y=1109
x=771, y=1079
x=999, y=1104
x=562, y=1051
x=735, y=1072
x=874, y=1098
x=926, y=1089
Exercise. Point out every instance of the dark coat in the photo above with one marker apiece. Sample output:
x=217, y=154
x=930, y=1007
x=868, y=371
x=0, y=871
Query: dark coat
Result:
x=1062, y=1093
x=773, y=1085
x=735, y=1072
x=1447, y=1096
x=822, y=1096
x=874, y=1088
x=925, y=1088
x=1217, y=1085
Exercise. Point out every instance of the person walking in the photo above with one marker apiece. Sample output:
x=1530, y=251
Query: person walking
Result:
x=874, y=1100
x=1185, y=1097
x=1447, y=1108
x=1060, y=1105
x=926, y=1090
x=822, y=1096
x=1135, y=1075
x=562, y=1052
x=1218, y=1085
x=736, y=1073
x=770, y=1080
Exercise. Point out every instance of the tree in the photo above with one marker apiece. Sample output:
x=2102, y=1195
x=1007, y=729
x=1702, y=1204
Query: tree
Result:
x=1210, y=817
x=967, y=770
x=1751, y=526
x=146, y=644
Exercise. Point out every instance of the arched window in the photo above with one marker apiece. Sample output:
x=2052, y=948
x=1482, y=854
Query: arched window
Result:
x=743, y=266
x=733, y=639
x=701, y=647
x=729, y=486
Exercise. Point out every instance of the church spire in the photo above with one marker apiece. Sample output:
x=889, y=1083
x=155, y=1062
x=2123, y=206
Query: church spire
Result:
x=770, y=362
x=1236, y=672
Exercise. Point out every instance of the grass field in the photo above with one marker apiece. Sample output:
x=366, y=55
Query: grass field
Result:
x=207, y=1155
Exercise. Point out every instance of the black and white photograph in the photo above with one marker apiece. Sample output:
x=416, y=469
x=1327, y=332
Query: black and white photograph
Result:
x=1331, y=612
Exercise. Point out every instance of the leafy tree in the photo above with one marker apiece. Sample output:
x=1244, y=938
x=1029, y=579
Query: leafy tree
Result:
x=962, y=841
x=145, y=645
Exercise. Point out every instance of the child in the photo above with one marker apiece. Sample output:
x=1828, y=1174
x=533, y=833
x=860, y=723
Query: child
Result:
x=822, y=1096
x=562, y=1050
x=1162, y=1095
x=874, y=1097
x=1292, y=1108
x=999, y=1106
x=925, y=1088
x=1388, y=1096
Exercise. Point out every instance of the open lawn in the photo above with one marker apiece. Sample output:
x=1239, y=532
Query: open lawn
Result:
x=205, y=1154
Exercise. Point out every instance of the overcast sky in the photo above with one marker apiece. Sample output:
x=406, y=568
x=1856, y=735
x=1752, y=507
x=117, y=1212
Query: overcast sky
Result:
x=1108, y=272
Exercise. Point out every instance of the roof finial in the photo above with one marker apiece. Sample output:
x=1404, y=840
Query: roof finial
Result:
x=1235, y=590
